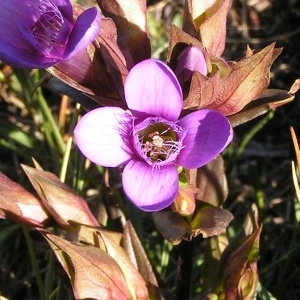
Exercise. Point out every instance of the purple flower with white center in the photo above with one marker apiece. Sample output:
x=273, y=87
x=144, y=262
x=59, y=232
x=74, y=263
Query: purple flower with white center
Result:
x=150, y=139
x=41, y=33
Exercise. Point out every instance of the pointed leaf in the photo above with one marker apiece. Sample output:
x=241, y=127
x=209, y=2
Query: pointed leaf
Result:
x=18, y=204
x=206, y=20
x=110, y=243
x=237, y=276
x=269, y=99
x=203, y=91
x=247, y=79
x=61, y=201
x=93, y=273
x=135, y=282
x=137, y=254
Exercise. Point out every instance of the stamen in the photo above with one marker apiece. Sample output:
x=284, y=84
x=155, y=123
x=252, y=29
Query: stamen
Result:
x=158, y=141
x=43, y=34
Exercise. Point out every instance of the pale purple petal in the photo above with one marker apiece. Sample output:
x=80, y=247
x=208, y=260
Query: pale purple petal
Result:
x=150, y=189
x=208, y=133
x=84, y=32
x=190, y=59
x=152, y=89
x=103, y=136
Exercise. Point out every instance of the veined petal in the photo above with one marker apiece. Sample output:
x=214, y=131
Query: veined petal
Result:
x=150, y=189
x=103, y=136
x=208, y=133
x=25, y=57
x=152, y=89
x=84, y=32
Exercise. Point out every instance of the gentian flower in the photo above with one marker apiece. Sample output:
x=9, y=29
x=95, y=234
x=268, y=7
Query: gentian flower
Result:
x=149, y=139
x=41, y=33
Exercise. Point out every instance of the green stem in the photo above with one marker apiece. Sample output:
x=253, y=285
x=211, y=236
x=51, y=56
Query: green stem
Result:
x=34, y=263
x=253, y=131
x=48, y=115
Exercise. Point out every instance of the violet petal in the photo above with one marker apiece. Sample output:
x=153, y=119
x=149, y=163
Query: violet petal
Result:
x=84, y=32
x=190, y=59
x=150, y=189
x=103, y=136
x=152, y=89
x=208, y=133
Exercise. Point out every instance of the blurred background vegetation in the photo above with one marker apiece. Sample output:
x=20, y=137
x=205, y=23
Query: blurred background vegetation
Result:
x=35, y=122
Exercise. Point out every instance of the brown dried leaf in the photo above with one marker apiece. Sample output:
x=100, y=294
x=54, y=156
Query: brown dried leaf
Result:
x=295, y=87
x=18, y=204
x=93, y=273
x=66, y=207
x=211, y=182
x=130, y=19
x=209, y=220
x=269, y=99
x=172, y=227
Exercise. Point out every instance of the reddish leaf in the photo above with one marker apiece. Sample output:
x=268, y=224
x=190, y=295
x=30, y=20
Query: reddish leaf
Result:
x=246, y=81
x=137, y=254
x=18, y=204
x=110, y=243
x=134, y=280
x=206, y=20
x=93, y=273
x=63, y=203
x=203, y=91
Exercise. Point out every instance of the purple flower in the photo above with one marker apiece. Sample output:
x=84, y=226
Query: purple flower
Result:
x=190, y=59
x=41, y=33
x=149, y=139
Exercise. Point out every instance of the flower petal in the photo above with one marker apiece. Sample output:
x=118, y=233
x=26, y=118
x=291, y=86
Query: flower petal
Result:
x=148, y=188
x=152, y=89
x=208, y=133
x=103, y=135
x=84, y=32
x=190, y=59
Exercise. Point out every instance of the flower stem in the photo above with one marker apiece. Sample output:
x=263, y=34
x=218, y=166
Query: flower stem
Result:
x=185, y=263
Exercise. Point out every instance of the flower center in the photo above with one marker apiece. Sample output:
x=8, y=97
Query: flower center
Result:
x=46, y=30
x=158, y=142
